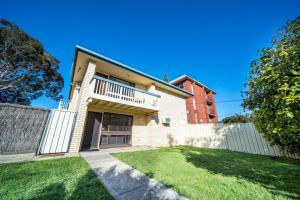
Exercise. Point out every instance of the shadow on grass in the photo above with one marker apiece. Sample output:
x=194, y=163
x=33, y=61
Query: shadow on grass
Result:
x=55, y=191
x=88, y=187
x=280, y=177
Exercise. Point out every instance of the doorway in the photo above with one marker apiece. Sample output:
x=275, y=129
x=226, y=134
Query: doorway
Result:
x=116, y=130
x=92, y=133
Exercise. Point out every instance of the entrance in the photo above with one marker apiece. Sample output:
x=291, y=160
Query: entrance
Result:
x=107, y=130
x=92, y=131
x=116, y=130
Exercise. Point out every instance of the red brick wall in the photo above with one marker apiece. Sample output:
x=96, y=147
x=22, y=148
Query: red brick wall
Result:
x=199, y=113
x=189, y=103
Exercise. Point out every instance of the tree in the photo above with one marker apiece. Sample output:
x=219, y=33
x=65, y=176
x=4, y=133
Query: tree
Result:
x=237, y=119
x=273, y=89
x=166, y=78
x=27, y=71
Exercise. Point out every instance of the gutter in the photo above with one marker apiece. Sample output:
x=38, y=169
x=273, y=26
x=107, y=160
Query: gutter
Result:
x=101, y=57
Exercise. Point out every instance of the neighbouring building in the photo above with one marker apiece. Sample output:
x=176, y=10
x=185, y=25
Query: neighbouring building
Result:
x=118, y=105
x=201, y=107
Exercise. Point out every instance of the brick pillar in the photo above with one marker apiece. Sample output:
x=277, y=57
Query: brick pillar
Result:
x=82, y=108
x=75, y=98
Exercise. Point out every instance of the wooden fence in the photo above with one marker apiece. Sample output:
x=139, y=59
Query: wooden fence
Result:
x=242, y=137
x=21, y=128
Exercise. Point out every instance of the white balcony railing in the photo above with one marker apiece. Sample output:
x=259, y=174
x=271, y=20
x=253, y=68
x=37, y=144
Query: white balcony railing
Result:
x=120, y=93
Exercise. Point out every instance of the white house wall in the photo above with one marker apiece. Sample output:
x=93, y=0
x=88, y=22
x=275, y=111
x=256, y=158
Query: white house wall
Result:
x=173, y=107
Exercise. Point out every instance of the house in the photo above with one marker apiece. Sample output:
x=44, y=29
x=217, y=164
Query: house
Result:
x=201, y=107
x=118, y=105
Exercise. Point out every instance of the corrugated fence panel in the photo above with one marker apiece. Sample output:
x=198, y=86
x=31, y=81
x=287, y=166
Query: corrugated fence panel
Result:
x=56, y=137
x=21, y=128
x=242, y=137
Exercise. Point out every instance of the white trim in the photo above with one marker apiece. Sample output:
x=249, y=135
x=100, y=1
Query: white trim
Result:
x=188, y=77
x=194, y=103
x=192, y=86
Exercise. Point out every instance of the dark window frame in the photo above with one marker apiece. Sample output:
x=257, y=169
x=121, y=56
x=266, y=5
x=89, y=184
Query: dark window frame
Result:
x=116, y=137
x=116, y=79
x=113, y=126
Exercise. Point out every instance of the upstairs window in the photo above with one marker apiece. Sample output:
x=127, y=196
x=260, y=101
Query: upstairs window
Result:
x=115, y=79
x=180, y=85
x=121, y=81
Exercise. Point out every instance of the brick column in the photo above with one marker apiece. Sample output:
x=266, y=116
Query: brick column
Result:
x=82, y=108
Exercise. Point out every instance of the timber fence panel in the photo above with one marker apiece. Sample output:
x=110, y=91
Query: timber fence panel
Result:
x=21, y=128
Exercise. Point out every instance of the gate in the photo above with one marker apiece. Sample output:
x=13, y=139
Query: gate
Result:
x=58, y=132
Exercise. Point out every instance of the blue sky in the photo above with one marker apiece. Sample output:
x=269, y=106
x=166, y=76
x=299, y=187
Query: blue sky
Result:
x=212, y=41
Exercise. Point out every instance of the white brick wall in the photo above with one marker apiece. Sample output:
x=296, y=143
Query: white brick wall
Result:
x=82, y=108
x=171, y=106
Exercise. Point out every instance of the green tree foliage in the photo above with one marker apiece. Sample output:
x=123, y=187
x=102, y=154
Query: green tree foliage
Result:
x=166, y=78
x=237, y=119
x=273, y=89
x=26, y=70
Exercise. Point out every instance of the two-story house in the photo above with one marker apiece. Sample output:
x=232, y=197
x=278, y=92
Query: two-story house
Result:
x=118, y=105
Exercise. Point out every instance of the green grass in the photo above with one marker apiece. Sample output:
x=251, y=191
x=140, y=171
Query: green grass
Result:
x=200, y=173
x=66, y=178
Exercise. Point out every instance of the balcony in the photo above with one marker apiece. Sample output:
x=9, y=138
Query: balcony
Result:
x=209, y=100
x=211, y=113
x=108, y=92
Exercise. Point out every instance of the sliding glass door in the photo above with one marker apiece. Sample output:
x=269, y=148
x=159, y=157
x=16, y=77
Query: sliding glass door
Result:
x=116, y=130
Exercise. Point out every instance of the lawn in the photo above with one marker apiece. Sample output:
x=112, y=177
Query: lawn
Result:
x=66, y=178
x=200, y=173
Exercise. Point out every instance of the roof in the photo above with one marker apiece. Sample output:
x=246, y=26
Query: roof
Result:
x=99, y=56
x=185, y=77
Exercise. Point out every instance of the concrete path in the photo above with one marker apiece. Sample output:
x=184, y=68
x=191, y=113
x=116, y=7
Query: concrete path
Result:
x=16, y=158
x=124, y=182
x=4, y=159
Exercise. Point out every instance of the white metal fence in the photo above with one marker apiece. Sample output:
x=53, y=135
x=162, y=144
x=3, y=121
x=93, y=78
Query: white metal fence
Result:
x=242, y=137
x=58, y=132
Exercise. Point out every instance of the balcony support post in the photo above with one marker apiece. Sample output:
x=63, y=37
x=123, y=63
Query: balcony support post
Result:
x=84, y=94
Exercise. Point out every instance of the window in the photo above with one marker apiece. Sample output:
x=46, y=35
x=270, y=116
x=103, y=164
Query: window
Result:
x=180, y=85
x=102, y=75
x=115, y=79
x=115, y=140
x=121, y=81
x=116, y=129
x=116, y=122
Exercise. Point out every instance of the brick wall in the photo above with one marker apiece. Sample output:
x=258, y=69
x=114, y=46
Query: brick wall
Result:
x=196, y=106
x=82, y=108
